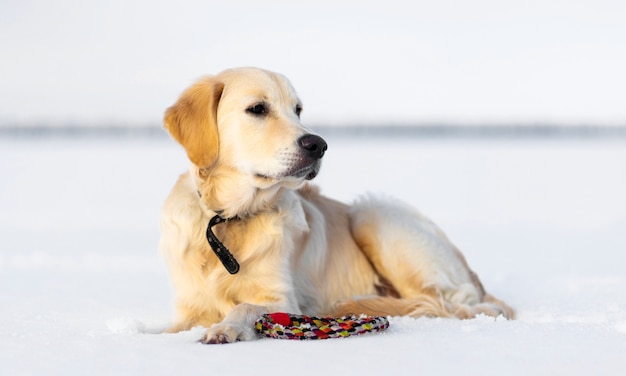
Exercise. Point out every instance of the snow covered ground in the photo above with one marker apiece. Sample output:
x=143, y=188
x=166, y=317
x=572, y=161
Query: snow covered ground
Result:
x=83, y=290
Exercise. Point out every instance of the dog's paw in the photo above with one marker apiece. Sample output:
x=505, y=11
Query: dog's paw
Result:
x=226, y=333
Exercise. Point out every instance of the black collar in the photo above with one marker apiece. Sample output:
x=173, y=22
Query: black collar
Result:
x=227, y=258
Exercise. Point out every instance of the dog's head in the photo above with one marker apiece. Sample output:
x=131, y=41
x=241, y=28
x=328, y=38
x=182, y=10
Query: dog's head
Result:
x=241, y=130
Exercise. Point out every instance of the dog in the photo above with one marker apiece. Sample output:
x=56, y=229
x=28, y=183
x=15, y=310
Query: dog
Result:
x=245, y=233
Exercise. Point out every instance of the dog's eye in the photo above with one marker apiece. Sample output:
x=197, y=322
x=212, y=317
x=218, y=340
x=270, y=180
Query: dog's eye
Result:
x=298, y=110
x=258, y=109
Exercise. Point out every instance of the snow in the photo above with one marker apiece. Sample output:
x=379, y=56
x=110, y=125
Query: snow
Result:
x=84, y=291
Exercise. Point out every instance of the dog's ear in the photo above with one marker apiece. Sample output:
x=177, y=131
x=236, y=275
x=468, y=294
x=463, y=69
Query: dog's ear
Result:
x=192, y=121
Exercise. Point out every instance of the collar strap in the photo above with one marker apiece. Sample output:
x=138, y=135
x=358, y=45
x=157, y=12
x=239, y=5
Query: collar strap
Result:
x=227, y=258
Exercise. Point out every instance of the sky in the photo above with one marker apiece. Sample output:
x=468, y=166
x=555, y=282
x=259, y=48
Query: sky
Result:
x=352, y=62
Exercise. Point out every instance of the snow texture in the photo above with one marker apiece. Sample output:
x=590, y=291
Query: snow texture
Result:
x=84, y=291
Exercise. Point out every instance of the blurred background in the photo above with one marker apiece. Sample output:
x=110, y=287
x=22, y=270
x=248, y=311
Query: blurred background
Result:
x=484, y=62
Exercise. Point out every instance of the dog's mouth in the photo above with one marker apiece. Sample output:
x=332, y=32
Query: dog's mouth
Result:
x=307, y=174
x=306, y=170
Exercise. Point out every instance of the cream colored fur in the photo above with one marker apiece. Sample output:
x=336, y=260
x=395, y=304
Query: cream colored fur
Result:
x=300, y=252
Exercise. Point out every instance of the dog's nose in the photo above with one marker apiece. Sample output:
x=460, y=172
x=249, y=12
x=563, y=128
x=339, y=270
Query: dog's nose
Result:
x=314, y=145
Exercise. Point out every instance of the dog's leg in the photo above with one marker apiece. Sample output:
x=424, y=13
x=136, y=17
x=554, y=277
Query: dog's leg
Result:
x=238, y=325
x=423, y=266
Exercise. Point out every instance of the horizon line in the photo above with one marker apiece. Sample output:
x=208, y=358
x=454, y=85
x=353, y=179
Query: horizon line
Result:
x=417, y=130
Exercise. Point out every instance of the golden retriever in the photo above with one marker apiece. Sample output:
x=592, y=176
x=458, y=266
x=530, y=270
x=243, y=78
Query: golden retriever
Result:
x=275, y=243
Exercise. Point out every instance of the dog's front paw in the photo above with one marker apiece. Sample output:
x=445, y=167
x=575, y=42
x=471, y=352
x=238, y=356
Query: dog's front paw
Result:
x=227, y=333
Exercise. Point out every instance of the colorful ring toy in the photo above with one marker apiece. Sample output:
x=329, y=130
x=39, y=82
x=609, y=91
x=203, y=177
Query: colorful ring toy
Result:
x=300, y=327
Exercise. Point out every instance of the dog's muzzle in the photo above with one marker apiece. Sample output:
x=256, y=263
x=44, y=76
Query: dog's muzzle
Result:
x=312, y=149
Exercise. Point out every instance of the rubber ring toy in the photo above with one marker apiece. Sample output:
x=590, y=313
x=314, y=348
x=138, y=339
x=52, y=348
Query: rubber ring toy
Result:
x=282, y=325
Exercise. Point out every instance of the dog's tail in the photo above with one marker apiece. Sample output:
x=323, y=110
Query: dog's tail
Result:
x=422, y=306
